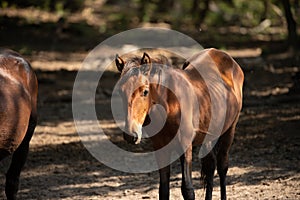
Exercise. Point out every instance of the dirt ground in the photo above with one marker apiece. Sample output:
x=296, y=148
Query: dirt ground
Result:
x=265, y=156
x=264, y=159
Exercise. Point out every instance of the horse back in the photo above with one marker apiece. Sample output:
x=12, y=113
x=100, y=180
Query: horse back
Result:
x=215, y=74
x=18, y=98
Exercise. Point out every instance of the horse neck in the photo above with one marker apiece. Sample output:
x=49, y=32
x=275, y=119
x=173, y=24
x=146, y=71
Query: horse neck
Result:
x=166, y=88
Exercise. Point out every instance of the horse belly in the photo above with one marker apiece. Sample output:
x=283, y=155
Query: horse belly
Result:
x=232, y=111
x=199, y=138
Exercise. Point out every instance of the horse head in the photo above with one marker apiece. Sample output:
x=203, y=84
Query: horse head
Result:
x=135, y=92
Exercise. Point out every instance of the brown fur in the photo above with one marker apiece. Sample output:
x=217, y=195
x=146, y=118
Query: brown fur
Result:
x=18, y=113
x=193, y=128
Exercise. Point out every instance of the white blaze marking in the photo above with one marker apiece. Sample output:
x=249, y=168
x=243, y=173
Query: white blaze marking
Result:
x=139, y=134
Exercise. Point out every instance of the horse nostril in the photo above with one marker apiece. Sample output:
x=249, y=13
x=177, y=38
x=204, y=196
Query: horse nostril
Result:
x=130, y=138
x=135, y=138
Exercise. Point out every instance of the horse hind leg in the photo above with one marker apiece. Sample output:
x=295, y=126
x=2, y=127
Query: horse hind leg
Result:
x=224, y=144
x=13, y=173
x=207, y=173
x=17, y=163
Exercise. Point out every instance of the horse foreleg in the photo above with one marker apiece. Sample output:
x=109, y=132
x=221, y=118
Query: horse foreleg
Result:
x=163, y=159
x=164, y=184
x=207, y=173
x=187, y=189
x=225, y=142
x=17, y=163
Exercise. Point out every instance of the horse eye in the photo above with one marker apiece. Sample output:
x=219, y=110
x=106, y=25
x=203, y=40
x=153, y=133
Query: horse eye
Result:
x=145, y=93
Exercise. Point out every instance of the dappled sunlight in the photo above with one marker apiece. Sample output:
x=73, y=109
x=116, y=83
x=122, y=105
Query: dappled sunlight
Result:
x=246, y=53
x=271, y=91
x=262, y=182
x=260, y=163
x=263, y=158
x=64, y=132
x=31, y=14
x=56, y=38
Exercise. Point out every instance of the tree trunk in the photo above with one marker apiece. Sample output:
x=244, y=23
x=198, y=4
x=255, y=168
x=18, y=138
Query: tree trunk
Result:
x=292, y=26
x=266, y=10
x=198, y=13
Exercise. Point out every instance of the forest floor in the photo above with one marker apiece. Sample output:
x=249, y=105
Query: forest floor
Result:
x=264, y=158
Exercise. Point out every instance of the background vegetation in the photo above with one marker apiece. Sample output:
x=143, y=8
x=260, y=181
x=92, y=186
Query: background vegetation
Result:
x=240, y=20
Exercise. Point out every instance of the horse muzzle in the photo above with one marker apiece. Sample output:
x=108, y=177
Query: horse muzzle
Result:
x=133, y=135
x=130, y=138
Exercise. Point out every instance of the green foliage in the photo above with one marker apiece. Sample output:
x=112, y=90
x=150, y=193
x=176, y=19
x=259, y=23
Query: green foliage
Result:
x=240, y=12
x=4, y=4
x=243, y=16
x=25, y=50
x=219, y=12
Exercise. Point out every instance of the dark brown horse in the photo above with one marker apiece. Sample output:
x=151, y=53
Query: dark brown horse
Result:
x=194, y=108
x=18, y=114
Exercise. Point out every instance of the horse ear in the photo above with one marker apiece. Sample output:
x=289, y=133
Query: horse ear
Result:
x=185, y=64
x=119, y=63
x=145, y=59
x=145, y=64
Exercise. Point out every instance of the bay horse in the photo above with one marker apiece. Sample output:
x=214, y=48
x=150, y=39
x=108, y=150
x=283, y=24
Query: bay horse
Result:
x=145, y=82
x=18, y=114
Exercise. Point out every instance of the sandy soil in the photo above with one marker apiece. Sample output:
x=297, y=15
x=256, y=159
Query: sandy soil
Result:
x=264, y=160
